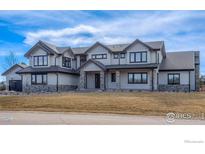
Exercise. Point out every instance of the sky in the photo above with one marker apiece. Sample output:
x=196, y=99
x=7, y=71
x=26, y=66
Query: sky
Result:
x=20, y=30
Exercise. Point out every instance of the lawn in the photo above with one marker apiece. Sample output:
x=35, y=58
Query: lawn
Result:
x=138, y=103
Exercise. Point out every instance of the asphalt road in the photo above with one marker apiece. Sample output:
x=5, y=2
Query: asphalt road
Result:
x=55, y=118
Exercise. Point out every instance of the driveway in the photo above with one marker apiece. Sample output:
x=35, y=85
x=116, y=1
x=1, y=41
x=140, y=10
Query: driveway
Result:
x=49, y=118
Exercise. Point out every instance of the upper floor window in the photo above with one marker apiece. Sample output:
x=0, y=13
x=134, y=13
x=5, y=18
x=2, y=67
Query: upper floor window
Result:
x=138, y=57
x=116, y=55
x=66, y=62
x=40, y=60
x=122, y=55
x=99, y=56
x=174, y=78
x=39, y=79
x=137, y=78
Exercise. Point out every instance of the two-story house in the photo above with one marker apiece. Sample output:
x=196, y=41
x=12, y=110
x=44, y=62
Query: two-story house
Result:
x=134, y=66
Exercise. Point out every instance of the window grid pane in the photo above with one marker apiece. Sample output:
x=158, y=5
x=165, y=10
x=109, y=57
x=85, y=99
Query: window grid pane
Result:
x=113, y=77
x=138, y=57
x=122, y=55
x=132, y=57
x=99, y=56
x=137, y=78
x=173, y=79
x=144, y=57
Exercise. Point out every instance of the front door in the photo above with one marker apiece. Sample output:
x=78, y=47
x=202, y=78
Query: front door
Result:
x=97, y=80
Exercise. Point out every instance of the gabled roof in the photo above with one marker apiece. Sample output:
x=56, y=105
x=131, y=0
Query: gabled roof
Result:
x=79, y=50
x=13, y=67
x=138, y=41
x=97, y=44
x=178, y=61
x=45, y=46
x=52, y=49
x=99, y=64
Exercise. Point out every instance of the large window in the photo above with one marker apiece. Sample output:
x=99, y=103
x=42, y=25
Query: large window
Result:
x=99, y=56
x=173, y=78
x=113, y=77
x=138, y=57
x=40, y=60
x=137, y=78
x=39, y=79
x=66, y=62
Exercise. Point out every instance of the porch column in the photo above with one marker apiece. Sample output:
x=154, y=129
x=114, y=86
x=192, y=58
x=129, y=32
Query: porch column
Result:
x=82, y=82
x=102, y=80
x=118, y=79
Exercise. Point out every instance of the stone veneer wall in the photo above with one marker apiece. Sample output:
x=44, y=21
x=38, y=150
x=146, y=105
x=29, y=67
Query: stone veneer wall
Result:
x=82, y=81
x=48, y=88
x=174, y=88
x=102, y=80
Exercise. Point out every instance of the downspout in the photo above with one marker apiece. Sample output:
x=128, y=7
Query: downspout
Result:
x=152, y=80
x=57, y=82
x=189, y=82
x=119, y=58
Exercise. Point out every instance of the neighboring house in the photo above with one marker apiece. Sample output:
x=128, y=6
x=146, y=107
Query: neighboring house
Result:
x=134, y=66
x=2, y=85
x=14, y=80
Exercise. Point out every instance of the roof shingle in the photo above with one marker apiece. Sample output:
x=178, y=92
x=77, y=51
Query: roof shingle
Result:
x=178, y=61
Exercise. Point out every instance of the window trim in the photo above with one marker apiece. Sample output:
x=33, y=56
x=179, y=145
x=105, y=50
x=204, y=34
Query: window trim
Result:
x=121, y=55
x=43, y=62
x=69, y=66
x=35, y=75
x=94, y=56
x=141, y=81
x=135, y=53
x=116, y=55
x=173, y=83
x=113, y=73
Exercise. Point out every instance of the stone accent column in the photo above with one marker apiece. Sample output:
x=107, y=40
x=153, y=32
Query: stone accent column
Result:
x=82, y=80
x=118, y=79
x=78, y=61
x=102, y=80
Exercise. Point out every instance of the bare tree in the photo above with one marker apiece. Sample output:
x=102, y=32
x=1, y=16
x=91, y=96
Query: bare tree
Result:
x=10, y=60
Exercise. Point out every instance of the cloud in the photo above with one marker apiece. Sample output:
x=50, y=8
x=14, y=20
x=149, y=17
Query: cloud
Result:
x=61, y=35
x=148, y=25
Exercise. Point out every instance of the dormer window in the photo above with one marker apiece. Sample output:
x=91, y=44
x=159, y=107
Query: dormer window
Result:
x=66, y=62
x=40, y=60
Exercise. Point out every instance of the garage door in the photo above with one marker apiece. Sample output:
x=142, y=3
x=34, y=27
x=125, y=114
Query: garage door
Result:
x=15, y=85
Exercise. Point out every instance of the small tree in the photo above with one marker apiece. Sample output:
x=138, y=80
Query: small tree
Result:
x=10, y=60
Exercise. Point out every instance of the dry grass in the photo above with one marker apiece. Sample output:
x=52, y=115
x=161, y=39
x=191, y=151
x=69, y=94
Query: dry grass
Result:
x=140, y=103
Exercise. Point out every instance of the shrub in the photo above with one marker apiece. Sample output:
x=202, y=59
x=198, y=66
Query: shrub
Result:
x=2, y=87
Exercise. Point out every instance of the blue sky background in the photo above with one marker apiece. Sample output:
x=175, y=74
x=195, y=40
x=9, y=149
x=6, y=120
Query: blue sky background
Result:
x=181, y=30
